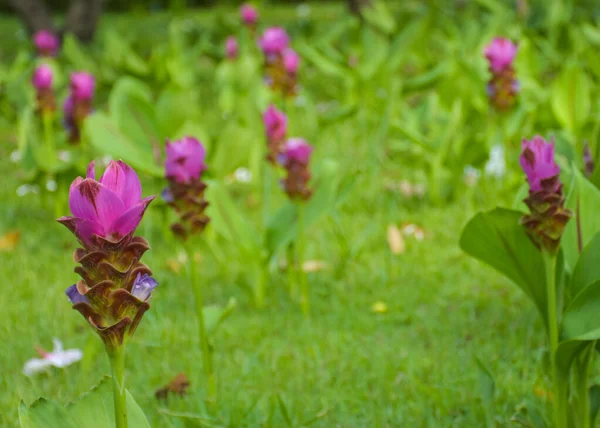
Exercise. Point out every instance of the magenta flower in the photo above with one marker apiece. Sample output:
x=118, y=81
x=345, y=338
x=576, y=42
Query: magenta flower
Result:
x=291, y=61
x=249, y=14
x=231, y=47
x=274, y=41
x=500, y=53
x=111, y=208
x=42, y=77
x=296, y=150
x=275, y=122
x=46, y=43
x=185, y=160
x=537, y=161
x=82, y=86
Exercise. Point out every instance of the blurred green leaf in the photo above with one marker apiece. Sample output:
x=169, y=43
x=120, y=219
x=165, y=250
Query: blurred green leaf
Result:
x=571, y=101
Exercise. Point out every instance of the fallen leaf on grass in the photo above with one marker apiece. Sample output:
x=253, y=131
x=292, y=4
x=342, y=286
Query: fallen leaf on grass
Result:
x=379, y=307
x=178, y=385
x=9, y=241
x=314, y=266
x=395, y=240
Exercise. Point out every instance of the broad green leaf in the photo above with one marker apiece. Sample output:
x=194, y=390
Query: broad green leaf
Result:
x=229, y=221
x=581, y=320
x=378, y=15
x=175, y=107
x=282, y=227
x=584, y=201
x=594, y=394
x=93, y=409
x=106, y=137
x=571, y=101
x=587, y=269
x=497, y=239
x=323, y=64
x=214, y=315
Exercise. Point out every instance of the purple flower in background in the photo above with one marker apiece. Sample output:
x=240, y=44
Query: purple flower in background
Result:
x=274, y=41
x=249, y=14
x=46, y=43
x=143, y=286
x=82, y=86
x=291, y=61
x=185, y=160
x=275, y=123
x=42, y=77
x=500, y=53
x=231, y=47
x=537, y=161
x=588, y=160
x=110, y=208
x=296, y=150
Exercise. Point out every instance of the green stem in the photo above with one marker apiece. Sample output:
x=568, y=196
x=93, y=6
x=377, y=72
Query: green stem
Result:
x=581, y=386
x=266, y=194
x=300, y=240
x=260, y=284
x=117, y=363
x=207, y=363
x=48, y=120
x=291, y=270
x=559, y=386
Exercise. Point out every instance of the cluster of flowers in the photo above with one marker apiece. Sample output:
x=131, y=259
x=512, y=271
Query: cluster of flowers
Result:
x=293, y=154
x=78, y=104
x=503, y=87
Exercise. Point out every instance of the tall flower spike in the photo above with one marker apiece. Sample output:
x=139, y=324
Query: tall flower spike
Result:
x=548, y=217
x=231, y=47
x=78, y=104
x=46, y=43
x=503, y=87
x=183, y=169
x=275, y=123
x=42, y=82
x=295, y=159
x=281, y=62
x=114, y=287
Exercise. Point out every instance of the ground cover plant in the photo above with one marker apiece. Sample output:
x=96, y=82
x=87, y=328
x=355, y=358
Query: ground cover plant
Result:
x=309, y=188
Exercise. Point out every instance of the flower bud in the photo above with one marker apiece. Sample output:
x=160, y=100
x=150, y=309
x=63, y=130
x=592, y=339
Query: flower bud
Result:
x=295, y=159
x=249, y=15
x=231, y=47
x=275, y=123
x=46, y=43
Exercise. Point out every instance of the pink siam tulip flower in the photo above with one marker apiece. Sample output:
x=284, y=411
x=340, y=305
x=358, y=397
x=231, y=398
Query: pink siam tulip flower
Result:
x=275, y=123
x=249, y=14
x=500, y=53
x=185, y=160
x=42, y=77
x=231, y=47
x=82, y=86
x=274, y=41
x=110, y=208
x=46, y=43
x=291, y=61
x=537, y=161
x=57, y=358
x=296, y=150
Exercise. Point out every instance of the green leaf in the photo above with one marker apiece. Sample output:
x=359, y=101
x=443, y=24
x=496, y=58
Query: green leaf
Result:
x=581, y=320
x=497, y=238
x=106, y=137
x=281, y=228
x=379, y=15
x=488, y=387
x=72, y=51
x=587, y=269
x=571, y=101
x=594, y=393
x=214, y=315
x=92, y=410
x=584, y=201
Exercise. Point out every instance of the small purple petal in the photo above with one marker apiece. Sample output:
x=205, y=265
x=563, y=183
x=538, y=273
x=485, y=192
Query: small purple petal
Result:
x=143, y=286
x=167, y=195
x=74, y=296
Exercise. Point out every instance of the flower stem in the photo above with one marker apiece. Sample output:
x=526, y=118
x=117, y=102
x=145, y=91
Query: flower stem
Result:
x=266, y=194
x=48, y=119
x=559, y=386
x=204, y=345
x=117, y=363
x=291, y=270
x=304, y=297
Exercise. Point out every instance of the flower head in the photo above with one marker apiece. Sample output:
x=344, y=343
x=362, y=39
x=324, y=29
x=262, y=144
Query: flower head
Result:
x=231, y=47
x=296, y=150
x=500, y=53
x=110, y=208
x=274, y=41
x=42, y=77
x=143, y=286
x=537, y=161
x=275, y=122
x=291, y=61
x=46, y=43
x=249, y=14
x=185, y=159
x=82, y=86
x=57, y=358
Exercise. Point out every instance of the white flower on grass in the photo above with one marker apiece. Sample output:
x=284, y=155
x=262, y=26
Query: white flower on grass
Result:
x=242, y=175
x=57, y=358
x=496, y=165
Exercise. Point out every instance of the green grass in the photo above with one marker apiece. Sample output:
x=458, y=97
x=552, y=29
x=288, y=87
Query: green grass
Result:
x=345, y=366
